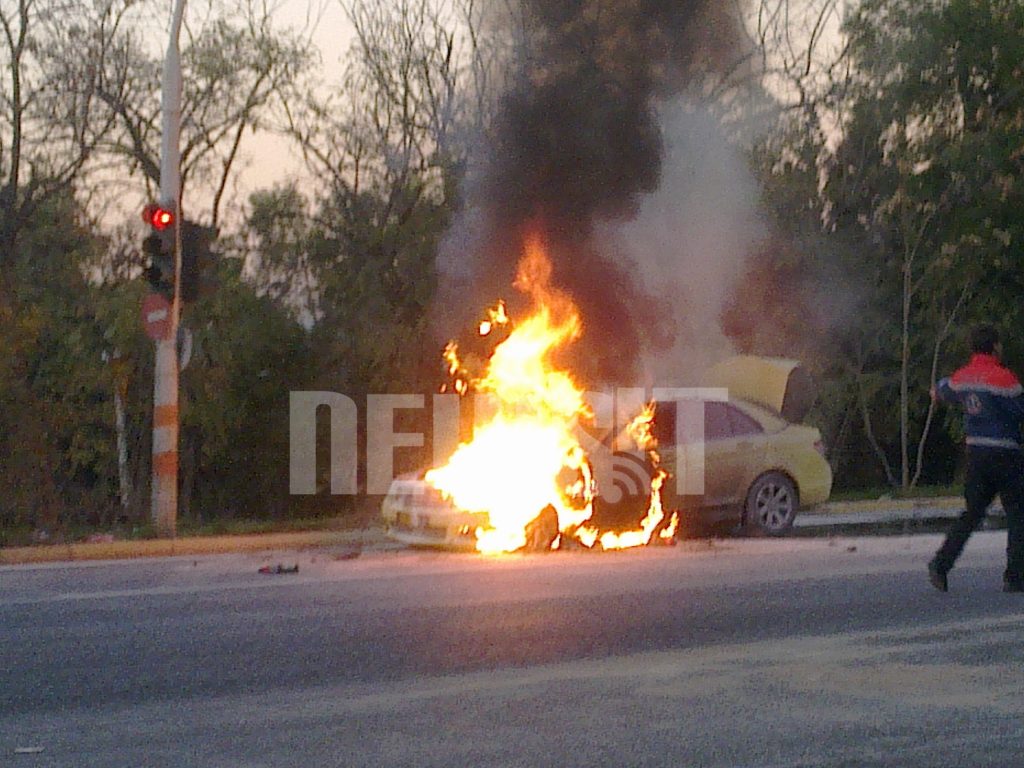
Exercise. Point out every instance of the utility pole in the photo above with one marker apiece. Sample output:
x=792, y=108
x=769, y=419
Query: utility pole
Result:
x=165, y=380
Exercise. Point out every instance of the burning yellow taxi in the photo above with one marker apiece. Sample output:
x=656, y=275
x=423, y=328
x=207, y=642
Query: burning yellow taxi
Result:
x=754, y=468
x=532, y=475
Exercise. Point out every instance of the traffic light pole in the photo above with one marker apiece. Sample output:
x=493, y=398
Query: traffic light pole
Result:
x=165, y=380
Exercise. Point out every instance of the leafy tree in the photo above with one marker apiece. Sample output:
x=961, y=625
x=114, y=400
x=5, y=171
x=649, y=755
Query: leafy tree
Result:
x=57, y=461
x=248, y=355
x=921, y=201
x=80, y=104
x=360, y=272
x=943, y=103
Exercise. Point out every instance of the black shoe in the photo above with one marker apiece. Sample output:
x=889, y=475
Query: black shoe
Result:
x=1013, y=585
x=937, y=577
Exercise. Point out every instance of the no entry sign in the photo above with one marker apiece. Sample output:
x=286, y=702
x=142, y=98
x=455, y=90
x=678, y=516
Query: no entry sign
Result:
x=156, y=316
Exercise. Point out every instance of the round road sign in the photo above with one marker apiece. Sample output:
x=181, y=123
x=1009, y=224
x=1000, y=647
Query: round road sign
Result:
x=156, y=316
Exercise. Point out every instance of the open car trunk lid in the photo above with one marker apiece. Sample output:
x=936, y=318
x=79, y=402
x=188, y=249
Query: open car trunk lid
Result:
x=780, y=385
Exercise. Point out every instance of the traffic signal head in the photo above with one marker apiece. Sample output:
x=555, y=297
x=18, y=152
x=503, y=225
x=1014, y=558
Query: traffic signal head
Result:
x=158, y=217
x=196, y=260
x=158, y=248
x=159, y=269
x=196, y=257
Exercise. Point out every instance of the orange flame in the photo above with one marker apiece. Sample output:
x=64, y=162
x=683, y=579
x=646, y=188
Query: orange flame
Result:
x=495, y=317
x=526, y=455
x=639, y=430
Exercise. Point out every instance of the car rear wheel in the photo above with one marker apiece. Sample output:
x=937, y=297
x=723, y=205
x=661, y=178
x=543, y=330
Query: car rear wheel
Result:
x=771, y=505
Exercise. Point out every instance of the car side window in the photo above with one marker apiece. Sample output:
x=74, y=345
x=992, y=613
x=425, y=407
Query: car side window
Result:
x=666, y=425
x=742, y=424
x=717, y=425
x=721, y=421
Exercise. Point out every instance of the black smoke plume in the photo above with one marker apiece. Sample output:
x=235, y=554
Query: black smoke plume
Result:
x=577, y=142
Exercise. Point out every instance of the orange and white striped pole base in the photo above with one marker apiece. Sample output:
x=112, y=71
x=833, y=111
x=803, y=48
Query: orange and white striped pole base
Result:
x=165, y=382
x=165, y=439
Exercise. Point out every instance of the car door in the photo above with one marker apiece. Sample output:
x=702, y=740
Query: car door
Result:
x=693, y=440
x=734, y=447
x=751, y=450
x=720, y=465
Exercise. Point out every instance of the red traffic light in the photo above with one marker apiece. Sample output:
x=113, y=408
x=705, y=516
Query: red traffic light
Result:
x=157, y=217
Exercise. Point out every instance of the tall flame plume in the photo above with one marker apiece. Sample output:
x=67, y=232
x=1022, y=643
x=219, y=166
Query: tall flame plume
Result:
x=525, y=458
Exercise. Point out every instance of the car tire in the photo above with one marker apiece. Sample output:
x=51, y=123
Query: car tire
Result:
x=542, y=531
x=771, y=505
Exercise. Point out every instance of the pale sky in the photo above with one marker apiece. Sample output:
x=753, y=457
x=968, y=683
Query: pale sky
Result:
x=272, y=159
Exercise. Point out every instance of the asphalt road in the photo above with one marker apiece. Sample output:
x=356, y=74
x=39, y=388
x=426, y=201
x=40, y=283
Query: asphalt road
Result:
x=737, y=653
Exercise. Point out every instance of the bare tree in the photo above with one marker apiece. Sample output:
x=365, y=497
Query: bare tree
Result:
x=236, y=65
x=801, y=49
x=419, y=87
x=51, y=125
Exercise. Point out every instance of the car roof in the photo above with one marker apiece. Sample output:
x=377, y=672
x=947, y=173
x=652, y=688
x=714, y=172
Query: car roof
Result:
x=769, y=421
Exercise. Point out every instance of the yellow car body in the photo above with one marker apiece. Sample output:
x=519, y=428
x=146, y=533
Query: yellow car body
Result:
x=747, y=452
x=755, y=465
x=752, y=465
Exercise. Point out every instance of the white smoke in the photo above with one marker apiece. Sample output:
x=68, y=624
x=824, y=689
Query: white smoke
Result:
x=690, y=240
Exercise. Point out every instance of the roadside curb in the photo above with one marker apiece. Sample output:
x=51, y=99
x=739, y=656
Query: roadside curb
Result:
x=889, y=520
x=887, y=515
x=191, y=545
x=845, y=516
x=886, y=504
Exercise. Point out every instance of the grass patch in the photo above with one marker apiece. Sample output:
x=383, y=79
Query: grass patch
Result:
x=887, y=492
x=243, y=527
x=72, y=534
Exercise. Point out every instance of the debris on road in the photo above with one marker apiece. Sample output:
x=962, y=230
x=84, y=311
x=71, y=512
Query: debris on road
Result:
x=350, y=554
x=280, y=568
x=28, y=750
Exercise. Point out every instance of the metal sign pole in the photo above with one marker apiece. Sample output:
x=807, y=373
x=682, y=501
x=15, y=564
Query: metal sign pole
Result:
x=165, y=380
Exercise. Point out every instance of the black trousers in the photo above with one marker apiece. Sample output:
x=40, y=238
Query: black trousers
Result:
x=990, y=472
